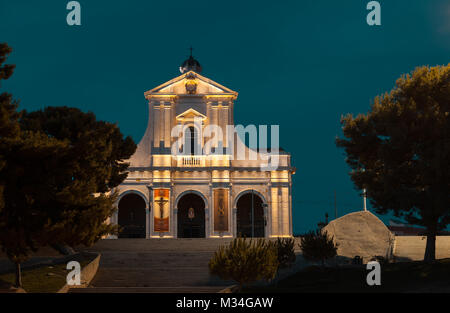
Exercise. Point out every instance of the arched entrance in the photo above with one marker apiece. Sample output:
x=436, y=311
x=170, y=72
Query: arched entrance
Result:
x=248, y=224
x=132, y=216
x=191, y=216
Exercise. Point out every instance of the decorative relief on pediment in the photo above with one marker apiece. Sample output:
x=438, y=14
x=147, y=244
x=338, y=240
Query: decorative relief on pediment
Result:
x=191, y=83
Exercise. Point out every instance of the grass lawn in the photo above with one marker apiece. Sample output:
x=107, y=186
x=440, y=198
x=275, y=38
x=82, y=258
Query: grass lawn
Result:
x=45, y=279
x=395, y=277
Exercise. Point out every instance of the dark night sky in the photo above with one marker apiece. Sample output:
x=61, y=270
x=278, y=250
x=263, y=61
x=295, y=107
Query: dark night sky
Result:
x=299, y=64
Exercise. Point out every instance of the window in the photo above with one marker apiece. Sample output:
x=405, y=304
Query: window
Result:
x=191, y=141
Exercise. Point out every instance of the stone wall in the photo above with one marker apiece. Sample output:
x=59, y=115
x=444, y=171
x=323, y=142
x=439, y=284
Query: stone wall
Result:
x=413, y=247
x=363, y=234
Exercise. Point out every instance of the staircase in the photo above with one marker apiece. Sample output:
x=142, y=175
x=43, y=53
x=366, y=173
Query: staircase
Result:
x=156, y=265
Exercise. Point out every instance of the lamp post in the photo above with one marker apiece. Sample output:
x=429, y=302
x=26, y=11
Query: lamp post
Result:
x=365, y=200
x=364, y=194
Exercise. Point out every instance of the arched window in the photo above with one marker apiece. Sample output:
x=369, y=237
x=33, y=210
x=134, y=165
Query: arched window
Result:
x=191, y=141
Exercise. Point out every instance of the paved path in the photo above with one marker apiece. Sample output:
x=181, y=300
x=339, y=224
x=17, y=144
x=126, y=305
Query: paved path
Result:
x=166, y=265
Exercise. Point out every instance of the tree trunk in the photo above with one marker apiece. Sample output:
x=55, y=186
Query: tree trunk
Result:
x=18, y=276
x=430, y=250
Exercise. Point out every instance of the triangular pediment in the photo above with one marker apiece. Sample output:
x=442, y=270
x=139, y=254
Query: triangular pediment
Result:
x=190, y=115
x=204, y=86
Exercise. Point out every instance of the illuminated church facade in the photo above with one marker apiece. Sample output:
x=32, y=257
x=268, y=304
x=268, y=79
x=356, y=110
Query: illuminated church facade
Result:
x=206, y=190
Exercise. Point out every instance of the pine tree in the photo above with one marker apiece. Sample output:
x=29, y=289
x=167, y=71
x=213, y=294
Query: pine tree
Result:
x=25, y=161
x=58, y=170
x=400, y=151
x=96, y=155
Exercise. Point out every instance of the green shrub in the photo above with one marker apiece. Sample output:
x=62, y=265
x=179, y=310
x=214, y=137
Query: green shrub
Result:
x=245, y=261
x=286, y=254
x=317, y=246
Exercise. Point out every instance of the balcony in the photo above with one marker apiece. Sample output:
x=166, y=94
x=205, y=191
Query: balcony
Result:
x=191, y=161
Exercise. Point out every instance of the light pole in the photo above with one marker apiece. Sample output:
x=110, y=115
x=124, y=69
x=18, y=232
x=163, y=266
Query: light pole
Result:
x=364, y=194
x=365, y=200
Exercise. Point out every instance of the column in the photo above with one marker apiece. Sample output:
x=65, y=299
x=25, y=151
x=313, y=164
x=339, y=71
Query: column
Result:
x=225, y=122
x=274, y=211
x=215, y=120
x=173, y=222
x=234, y=219
x=291, y=232
x=147, y=223
x=167, y=125
x=156, y=127
x=280, y=211
x=220, y=120
x=211, y=219
x=161, y=122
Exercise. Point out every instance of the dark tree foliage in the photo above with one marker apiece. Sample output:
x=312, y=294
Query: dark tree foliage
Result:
x=57, y=171
x=26, y=160
x=97, y=148
x=93, y=165
x=9, y=128
x=400, y=151
x=6, y=70
x=317, y=246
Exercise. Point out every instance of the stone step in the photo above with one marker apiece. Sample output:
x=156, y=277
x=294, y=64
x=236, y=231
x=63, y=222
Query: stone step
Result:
x=181, y=289
x=170, y=245
x=146, y=277
x=156, y=265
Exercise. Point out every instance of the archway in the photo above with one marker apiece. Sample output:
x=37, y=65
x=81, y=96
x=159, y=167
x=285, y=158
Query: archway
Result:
x=191, y=216
x=248, y=224
x=132, y=216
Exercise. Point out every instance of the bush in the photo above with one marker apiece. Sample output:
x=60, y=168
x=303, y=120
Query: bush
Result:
x=245, y=261
x=286, y=254
x=380, y=259
x=318, y=246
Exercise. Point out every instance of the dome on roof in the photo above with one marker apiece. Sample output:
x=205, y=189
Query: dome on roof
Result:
x=190, y=64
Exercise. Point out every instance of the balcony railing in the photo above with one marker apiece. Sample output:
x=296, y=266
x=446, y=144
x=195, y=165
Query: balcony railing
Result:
x=192, y=161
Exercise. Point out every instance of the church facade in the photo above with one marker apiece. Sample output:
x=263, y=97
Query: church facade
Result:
x=191, y=178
